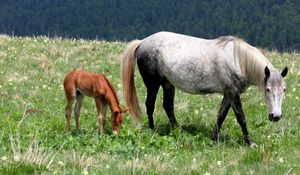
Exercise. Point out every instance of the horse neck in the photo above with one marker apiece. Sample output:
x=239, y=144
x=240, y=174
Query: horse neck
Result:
x=112, y=98
x=253, y=65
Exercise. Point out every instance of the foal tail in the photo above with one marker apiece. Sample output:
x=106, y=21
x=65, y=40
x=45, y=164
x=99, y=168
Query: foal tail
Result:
x=127, y=76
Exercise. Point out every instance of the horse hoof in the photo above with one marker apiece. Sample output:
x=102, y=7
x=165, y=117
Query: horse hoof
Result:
x=253, y=145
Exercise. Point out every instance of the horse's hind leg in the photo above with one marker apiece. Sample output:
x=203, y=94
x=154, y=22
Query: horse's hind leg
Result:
x=70, y=100
x=224, y=108
x=152, y=80
x=78, y=104
x=152, y=89
x=168, y=101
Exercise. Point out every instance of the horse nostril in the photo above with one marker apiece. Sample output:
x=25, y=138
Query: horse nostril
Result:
x=272, y=115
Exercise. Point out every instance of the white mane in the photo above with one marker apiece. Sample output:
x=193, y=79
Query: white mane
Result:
x=252, y=61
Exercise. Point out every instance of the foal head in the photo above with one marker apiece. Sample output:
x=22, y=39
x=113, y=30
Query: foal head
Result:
x=274, y=88
x=117, y=119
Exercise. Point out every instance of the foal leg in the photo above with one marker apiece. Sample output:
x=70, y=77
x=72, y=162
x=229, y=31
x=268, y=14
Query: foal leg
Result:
x=70, y=95
x=224, y=108
x=101, y=117
x=168, y=101
x=78, y=104
x=237, y=108
x=70, y=102
x=152, y=90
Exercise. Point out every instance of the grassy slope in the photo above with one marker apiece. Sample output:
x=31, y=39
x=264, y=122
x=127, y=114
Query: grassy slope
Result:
x=31, y=74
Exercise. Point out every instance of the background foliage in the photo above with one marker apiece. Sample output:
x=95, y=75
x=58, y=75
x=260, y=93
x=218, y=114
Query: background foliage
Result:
x=265, y=23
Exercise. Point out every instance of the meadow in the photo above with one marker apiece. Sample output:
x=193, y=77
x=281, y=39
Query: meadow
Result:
x=32, y=119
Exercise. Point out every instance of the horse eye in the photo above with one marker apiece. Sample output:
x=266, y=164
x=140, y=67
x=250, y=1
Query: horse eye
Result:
x=284, y=90
x=268, y=89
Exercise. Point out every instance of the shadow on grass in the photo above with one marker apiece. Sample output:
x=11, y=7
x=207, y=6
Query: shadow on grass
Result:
x=192, y=129
x=195, y=130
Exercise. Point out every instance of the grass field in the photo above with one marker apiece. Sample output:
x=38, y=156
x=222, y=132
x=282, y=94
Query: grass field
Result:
x=33, y=140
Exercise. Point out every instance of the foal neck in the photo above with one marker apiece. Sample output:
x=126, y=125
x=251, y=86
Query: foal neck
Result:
x=111, y=97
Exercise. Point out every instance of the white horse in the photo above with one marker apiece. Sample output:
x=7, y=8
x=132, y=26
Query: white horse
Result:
x=225, y=65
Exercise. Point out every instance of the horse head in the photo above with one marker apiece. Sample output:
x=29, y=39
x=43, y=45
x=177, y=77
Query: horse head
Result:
x=274, y=88
x=117, y=119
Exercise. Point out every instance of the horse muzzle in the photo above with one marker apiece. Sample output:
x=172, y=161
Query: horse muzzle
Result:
x=274, y=118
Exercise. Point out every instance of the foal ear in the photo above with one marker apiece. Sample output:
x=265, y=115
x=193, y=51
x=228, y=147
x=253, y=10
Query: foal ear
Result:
x=267, y=72
x=284, y=72
x=124, y=110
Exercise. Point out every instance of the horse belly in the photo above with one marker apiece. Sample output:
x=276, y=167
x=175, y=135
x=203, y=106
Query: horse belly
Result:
x=193, y=79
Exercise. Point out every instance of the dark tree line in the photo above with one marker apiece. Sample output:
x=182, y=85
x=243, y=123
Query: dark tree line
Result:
x=263, y=23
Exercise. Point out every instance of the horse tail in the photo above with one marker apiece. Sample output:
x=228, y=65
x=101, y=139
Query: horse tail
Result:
x=127, y=76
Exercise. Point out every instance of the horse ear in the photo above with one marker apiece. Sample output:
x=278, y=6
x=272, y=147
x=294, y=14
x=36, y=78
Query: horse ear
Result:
x=284, y=72
x=267, y=72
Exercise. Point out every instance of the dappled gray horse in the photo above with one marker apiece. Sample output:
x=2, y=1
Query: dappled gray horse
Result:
x=225, y=65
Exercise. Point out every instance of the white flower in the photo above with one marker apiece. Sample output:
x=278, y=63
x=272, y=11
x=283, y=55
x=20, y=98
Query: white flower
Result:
x=206, y=173
x=4, y=158
x=280, y=160
x=61, y=163
x=85, y=172
x=219, y=163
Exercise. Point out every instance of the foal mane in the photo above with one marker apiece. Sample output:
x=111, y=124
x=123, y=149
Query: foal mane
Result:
x=251, y=61
x=112, y=90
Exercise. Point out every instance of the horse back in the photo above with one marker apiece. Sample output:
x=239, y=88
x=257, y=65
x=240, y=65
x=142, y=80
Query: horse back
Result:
x=86, y=83
x=194, y=65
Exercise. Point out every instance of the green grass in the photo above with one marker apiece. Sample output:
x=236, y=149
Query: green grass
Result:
x=31, y=75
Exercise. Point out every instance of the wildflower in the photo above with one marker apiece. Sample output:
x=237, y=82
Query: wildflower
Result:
x=4, y=158
x=61, y=163
x=280, y=160
x=107, y=166
x=196, y=111
x=194, y=159
x=219, y=163
x=85, y=172
x=206, y=173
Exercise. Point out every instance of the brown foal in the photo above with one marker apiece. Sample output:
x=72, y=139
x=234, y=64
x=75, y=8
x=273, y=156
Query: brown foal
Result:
x=78, y=84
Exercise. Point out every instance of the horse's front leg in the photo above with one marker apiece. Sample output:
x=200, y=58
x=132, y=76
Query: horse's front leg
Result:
x=237, y=108
x=223, y=111
x=101, y=117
